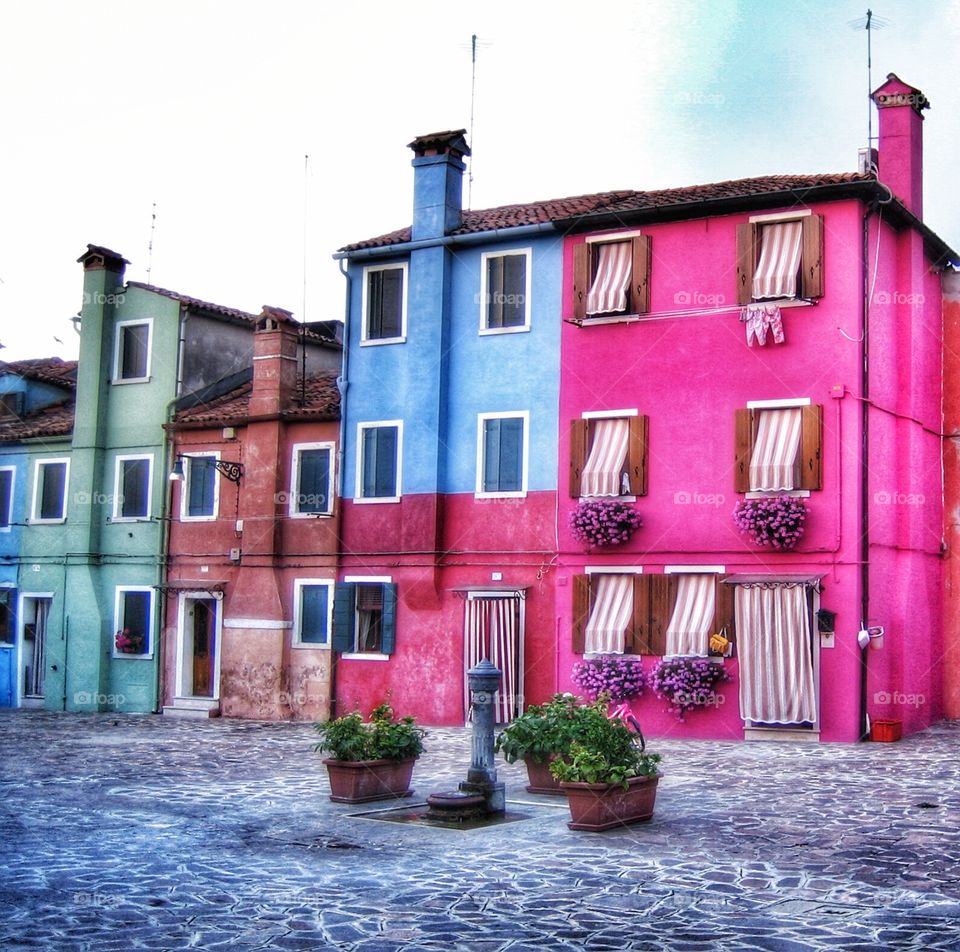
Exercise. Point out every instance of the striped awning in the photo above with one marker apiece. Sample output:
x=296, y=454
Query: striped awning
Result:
x=776, y=273
x=611, y=614
x=773, y=463
x=608, y=293
x=603, y=471
x=688, y=632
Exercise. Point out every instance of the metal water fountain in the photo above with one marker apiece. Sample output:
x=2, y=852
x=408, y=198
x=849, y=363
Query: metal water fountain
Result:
x=480, y=795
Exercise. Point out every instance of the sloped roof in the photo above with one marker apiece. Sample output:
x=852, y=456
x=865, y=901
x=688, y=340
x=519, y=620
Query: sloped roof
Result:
x=53, y=420
x=195, y=303
x=53, y=370
x=321, y=401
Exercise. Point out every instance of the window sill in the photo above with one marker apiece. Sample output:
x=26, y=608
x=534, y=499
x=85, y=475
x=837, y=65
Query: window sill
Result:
x=321, y=645
x=132, y=657
x=310, y=515
x=377, y=342
x=616, y=498
x=374, y=500
x=364, y=656
x=47, y=522
x=785, y=302
x=210, y=518
x=773, y=493
x=610, y=319
x=122, y=381
x=494, y=331
x=129, y=519
x=507, y=495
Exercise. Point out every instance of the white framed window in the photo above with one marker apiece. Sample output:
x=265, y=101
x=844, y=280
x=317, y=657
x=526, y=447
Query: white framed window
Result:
x=365, y=617
x=7, y=481
x=611, y=277
x=778, y=447
x=502, y=452
x=608, y=454
x=200, y=489
x=384, y=304
x=133, y=622
x=50, y=480
x=780, y=258
x=313, y=612
x=311, y=480
x=133, y=488
x=505, y=278
x=379, y=461
x=132, y=351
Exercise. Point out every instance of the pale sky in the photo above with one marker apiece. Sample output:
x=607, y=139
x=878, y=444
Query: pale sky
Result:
x=208, y=109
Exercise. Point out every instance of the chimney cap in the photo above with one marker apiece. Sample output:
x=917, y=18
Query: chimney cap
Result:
x=895, y=92
x=451, y=142
x=99, y=256
x=273, y=317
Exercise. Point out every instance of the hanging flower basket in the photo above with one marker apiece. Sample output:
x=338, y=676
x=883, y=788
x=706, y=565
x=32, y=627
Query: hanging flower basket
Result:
x=603, y=522
x=687, y=684
x=774, y=521
x=127, y=643
x=620, y=678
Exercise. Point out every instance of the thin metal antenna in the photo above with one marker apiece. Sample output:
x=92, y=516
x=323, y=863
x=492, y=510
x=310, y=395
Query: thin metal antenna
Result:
x=303, y=313
x=869, y=23
x=475, y=43
x=153, y=228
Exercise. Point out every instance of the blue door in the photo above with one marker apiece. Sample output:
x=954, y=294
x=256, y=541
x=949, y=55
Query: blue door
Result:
x=8, y=653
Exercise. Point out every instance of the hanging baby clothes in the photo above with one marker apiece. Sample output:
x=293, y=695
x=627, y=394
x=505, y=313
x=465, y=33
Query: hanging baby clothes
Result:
x=759, y=318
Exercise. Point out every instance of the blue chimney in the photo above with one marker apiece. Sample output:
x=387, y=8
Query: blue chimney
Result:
x=438, y=183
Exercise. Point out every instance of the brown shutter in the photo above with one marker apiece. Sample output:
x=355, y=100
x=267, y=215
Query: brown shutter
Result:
x=663, y=594
x=639, y=636
x=637, y=455
x=579, y=441
x=581, y=611
x=640, y=285
x=811, y=267
x=743, y=435
x=811, y=440
x=723, y=617
x=747, y=234
x=581, y=280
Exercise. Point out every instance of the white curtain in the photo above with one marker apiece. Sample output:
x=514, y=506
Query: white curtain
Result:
x=773, y=463
x=608, y=292
x=491, y=630
x=779, y=264
x=776, y=668
x=39, y=660
x=603, y=470
x=611, y=614
x=688, y=632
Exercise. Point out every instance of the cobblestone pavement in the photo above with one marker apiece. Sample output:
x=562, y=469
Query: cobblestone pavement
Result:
x=123, y=832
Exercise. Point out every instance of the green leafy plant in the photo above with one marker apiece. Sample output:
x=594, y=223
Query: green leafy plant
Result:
x=542, y=731
x=384, y=737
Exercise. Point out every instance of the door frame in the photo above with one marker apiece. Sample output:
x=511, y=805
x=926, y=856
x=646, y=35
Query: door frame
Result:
x=18, y=695
x=179, y=680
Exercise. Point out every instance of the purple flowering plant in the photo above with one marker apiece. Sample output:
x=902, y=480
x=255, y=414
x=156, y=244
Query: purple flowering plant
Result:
x=604, y=522
x=620, y=678
x=775, y=521
x=687, y=683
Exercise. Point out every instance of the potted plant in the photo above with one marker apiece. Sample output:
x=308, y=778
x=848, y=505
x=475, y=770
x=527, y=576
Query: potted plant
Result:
x=608, y=779
x=687, y=684
x=774, y=521
x=373, y=760
x=619, y=678
x=603, y=522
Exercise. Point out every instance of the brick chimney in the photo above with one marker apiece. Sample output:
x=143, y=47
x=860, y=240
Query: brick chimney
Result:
x=900, y=109
x=275, y=342
x=438, y=183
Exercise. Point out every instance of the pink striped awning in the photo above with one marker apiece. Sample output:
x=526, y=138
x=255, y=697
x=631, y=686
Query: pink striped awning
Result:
x=611, y=614
x=774, y=461
x=608, y=293
x=776, y=272
x=603, y=472
x=688, y=632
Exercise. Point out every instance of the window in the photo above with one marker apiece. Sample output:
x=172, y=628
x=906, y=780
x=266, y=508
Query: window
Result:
x=200, y=490
x=778, y=446
x=384, y=304
x=50, y=490
x=11, y=405
x=364, y=617
x=780, y=258
x=502, y=454
x=505, y=292
x=312, y=612
x=611, y=277
x=378, y=466
x=132, y=493
x=608, y=455
x=6, y=497
x=311, y=479
x=133, y=620
x=631, y=613
x=131, y=359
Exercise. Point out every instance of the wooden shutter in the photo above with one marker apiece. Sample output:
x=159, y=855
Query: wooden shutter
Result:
x=344, y=616
x=811, y=267
x=637, y=455
x=640, y=634
x=388, y=623
x=581, y=280
x=743, y=448
x=581, y=612
x=579, y=441
x=747, y=234
x=723, y=616
x=811, y=440
x=640, y=280
x=663, y=595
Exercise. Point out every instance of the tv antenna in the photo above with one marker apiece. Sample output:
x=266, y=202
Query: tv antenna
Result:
x=869, y=23
x=153, y=227
x=475, y=42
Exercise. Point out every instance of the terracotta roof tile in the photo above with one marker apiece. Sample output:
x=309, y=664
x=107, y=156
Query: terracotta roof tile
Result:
x=54, y=420
x=195, y=303
x=61, y=373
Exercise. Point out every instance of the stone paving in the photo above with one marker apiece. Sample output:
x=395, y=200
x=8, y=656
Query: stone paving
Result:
x=124, y=832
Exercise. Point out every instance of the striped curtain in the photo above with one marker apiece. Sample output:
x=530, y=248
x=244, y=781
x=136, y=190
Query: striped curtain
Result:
x=688, y=632
x=611, y=614
x=38, y=661
x=491, y=630
x=774, y=461
x=776, y=273
x=776, y=669
x=603, y=471
x=608, y=292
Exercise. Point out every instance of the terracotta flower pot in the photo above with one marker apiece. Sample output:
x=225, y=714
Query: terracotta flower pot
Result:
x=357, y=781
x=599, y=806
x=541, y=780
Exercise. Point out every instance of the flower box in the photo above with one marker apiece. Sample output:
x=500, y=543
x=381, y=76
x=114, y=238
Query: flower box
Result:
x=595, y=807
x=358, y=781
